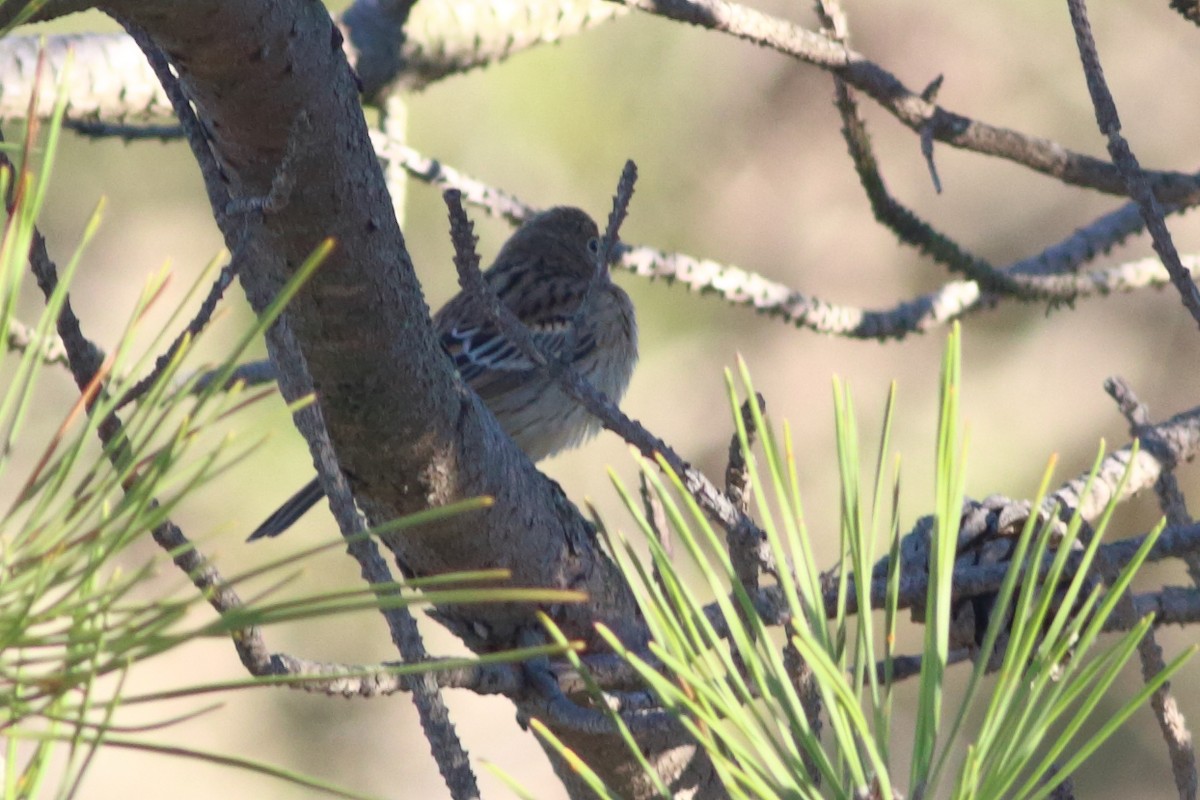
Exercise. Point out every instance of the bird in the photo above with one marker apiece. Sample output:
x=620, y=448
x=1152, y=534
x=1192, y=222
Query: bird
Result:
x=542, y=274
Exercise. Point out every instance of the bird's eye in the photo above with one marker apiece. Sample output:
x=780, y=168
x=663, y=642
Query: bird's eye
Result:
x=593, y=245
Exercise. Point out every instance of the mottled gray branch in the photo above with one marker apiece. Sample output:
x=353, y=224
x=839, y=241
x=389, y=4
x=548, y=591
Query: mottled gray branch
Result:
x=110, y=82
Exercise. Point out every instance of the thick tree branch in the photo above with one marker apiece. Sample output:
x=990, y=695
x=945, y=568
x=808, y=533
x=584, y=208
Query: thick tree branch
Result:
x=280, y=107
x=109, y=81
x=450, y=40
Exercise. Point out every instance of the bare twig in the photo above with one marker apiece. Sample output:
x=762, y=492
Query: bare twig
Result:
x=1038, y=154
x=193, y=129
x=604, y=255
x=1166, y=444
x=448, y=751
x=804, y=680
x=914, y=231
x=915, y=316
x=616, y=217
x=249, y=642
x=189, y=333
x=124, y=131
x=927, y=131
x=1089, y=242
x=1171, y=722
x=919, y=315
x=85, y=361
x=1170, y=496
x=1170, y=719
x=1136, y=181
x=280, y=191
x=252, y=373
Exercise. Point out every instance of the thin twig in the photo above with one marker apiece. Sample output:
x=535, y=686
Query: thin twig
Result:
x=804, y=681
x=1171, y=722
x=927, y=131
x=918, y=315
x=1170, y=496
x=1166, y=444
x=252, y=373
x=451, y=757
x=85, y=359
x=193, y=129
x=188, y=334
x=603, y=255
x=94, y=129
x=745, y=555
x=914, y=231
x=1087, y=243
x=448, y=751
x=249, y=641
x=1136, y=181
x=1036, y=153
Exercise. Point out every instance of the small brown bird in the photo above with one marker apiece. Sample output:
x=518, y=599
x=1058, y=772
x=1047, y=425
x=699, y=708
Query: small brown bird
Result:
x=542, y=274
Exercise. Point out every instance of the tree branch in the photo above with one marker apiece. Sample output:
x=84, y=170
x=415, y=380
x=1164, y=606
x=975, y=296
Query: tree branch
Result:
x=1136, y=180
x=909, y=107
x=276, y=95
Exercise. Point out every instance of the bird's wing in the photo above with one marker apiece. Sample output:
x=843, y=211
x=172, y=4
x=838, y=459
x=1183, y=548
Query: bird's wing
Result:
x=493, y=365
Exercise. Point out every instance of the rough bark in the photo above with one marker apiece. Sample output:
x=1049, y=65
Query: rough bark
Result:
x=280, y=104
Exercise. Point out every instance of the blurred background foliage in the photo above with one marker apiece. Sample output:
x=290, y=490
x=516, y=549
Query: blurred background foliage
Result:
x=741, y=161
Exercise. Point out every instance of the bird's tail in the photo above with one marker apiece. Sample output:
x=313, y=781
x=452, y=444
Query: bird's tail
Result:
x=284, y=516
